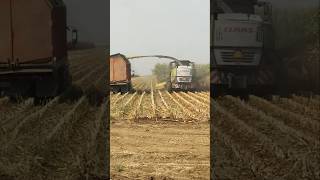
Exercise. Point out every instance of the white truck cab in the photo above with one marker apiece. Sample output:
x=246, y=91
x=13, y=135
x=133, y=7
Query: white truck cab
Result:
x=241, y=40
x=238, y=39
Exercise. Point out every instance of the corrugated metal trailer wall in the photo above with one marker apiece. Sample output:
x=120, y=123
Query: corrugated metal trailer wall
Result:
x=120, y=70
x=35, y=30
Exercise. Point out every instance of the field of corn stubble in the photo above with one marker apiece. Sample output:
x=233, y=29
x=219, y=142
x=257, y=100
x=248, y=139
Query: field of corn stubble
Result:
x=154, y=103
x=61, y=139
x=266, y=139
x=159, y=135
x=277, y=138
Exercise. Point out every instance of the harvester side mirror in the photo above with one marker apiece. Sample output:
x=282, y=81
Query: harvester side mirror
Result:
x=264, y=9
x=172, y=65
x=74, y=36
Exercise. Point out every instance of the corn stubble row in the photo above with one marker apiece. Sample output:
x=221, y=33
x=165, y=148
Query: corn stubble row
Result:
x=266, y=139
x=60, y=139
x=160, y=105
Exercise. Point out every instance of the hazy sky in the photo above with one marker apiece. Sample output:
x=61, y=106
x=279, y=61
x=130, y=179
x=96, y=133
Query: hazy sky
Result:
x=178, y=28
x=90, y=18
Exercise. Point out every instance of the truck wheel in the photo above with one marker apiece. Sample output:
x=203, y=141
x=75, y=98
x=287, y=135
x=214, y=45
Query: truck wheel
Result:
x=117, y=89
x=64, y=79
x=131, y=88
x=124, y=89
x=47, y=86
x=121, y=89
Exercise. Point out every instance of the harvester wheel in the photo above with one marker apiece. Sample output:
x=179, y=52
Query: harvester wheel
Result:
x=169, y=86
x=217, y=91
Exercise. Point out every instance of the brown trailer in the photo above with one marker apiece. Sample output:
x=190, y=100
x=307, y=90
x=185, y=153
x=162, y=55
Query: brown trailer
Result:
x=33, y=48
x=120, y=74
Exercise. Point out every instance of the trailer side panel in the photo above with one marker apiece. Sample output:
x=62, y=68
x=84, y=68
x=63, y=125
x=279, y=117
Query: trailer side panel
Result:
x=5, y=32
x=119, y=69
x=32, y=31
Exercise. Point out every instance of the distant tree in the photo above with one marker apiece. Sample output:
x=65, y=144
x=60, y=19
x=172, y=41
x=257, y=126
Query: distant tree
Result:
x=161, y=71
x=202, y=77
x=202, y=71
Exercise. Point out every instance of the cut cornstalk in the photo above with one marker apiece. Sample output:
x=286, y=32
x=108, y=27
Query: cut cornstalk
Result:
x=122, y=97
x=196, y=100
x=152, y=101
x=130, y=99
x=187, y=102
x=206, y=100
x=65, y=118
x=163, y=101
x=181, y=106
x=139, y=104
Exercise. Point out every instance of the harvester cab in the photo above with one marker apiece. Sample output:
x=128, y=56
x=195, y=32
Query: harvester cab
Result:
x=181, y=75
x=242, y=45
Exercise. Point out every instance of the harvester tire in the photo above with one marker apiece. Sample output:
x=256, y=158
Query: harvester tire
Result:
x=169, y=86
